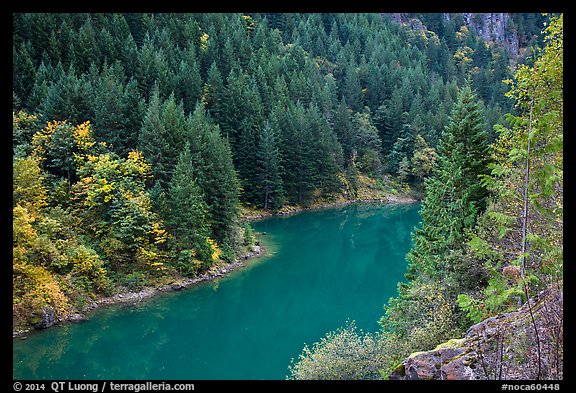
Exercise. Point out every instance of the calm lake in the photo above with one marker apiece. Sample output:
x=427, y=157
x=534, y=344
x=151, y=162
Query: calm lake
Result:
x=323, y=268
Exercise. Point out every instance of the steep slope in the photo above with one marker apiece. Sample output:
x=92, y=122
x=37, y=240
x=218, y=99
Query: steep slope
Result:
x=515, y=32
x=522, y=344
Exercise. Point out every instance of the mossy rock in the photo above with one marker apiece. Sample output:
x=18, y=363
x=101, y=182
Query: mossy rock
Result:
x=451, y=344
x=43, y=319
x=399, y=370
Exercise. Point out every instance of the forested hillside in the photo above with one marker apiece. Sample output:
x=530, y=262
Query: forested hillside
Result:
x=491, y=243
x=139, y=138
x=300, y=98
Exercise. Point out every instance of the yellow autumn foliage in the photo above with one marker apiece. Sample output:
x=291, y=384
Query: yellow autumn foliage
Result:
x=138, y=163
x=23, y=233
x=28, y=189
x=204, y=41
x=83, y=136
x=41, y=139
x=36, y=287
x=216, y=250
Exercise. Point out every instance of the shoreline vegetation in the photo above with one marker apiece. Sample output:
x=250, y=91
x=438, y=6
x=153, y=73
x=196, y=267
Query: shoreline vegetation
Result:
x=218, y=270
x=253, y=215
x=368, y=190
x=174, y=284
x=145, y=143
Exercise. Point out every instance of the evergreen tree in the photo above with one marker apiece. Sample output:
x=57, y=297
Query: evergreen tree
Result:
x=188, y=210
x=352, y=88
x=87, y=50
x=24, y=71
x=213, y=91
x=454, y=196
x=366, y=142
x=108, y=95
x=388, y=119
x=128, y=54
x=522, y=230
x=327, y=152
x=343, y=129
x=300, y=174
x=270, y=187
x=41, y=87
x=153, y=141
x=188, y=84
x=403, y=169
x=69, y=97
x=164, y=74
x=132, y=108
x=402, y=147
x=215, y=172
x=145, y=71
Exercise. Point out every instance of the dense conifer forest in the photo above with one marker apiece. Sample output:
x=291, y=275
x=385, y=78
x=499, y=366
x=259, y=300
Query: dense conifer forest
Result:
x=139, y=139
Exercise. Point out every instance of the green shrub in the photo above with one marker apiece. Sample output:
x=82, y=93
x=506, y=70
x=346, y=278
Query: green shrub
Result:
x=345, y=354
x=133, y=281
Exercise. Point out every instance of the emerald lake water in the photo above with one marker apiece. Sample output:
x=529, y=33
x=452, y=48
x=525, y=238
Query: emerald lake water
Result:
x=324, y=267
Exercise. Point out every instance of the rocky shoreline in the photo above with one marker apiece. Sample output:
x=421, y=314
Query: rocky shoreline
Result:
x=48, y=318
x=286, y=211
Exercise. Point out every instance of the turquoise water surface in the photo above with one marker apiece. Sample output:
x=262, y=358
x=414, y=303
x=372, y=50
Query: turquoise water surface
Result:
x=324, y=267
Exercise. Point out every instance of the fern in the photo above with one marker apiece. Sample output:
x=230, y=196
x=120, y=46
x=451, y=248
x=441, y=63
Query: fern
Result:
x=471, y=306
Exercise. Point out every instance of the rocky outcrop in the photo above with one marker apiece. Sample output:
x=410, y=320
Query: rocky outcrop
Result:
x=494, y=27
x=44, y=319
x=491, y=27
x=522, y=344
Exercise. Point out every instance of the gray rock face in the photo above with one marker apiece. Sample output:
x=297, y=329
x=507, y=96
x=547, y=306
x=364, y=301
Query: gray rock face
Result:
x=45, y=319
x=494, y=27
x=525, y=344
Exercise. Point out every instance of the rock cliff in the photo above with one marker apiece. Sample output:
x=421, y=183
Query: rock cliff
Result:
x=522, y=344
x=492, y=27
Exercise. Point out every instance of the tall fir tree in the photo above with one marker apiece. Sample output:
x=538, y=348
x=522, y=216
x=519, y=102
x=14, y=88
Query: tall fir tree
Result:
x=213, y=91
x=188, y=210
x=152, y=141
x=454, y=195
x=133, y=108
x=216, y=175
x=270, y=188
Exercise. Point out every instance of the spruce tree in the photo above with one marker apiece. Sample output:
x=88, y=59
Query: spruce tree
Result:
x=352, y=88
x=87, y=50
x=454, y=195
x=270, y=188
x=145, y=69
x=108, y=95
x=40, y=89
x=215, y=173
x=189, y=84
x=188, y=210
x=152, y=139
x=222, y=185
x=300, y=174
x=24, y=73
x=343, y=128
x=327, y=152
x=133, y=108
x=213, y=91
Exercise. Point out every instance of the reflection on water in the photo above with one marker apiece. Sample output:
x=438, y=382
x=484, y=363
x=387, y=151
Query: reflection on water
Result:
x=325, y=267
